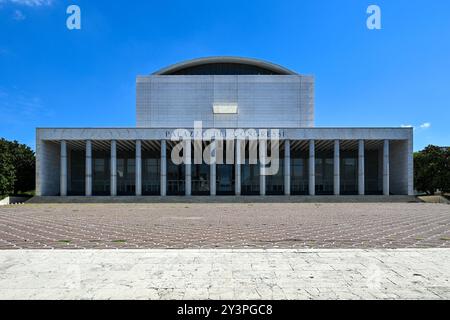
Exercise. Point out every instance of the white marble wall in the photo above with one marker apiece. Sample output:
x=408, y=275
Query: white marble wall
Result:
x=263, y=101
x=399, y=169
x=47, y=168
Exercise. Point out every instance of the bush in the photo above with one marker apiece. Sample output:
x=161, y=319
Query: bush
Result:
x=432, y=170
x=17, y=168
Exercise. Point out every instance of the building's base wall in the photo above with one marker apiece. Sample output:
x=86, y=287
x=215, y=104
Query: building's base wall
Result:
x=228, y=199
x=47, y=168
x=399, y=167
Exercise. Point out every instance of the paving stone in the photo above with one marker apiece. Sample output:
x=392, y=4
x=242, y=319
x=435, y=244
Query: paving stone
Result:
x=224, y=226
x=216, y=274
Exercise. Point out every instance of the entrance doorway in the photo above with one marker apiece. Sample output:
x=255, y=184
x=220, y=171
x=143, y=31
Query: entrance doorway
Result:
x=225, y=179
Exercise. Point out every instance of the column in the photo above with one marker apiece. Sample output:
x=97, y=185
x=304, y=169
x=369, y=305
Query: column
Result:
x=63, y=166
x=361, y=178
x=337, y=168
x=287, y=167
x=113, y=168
x=163, y=165
x=411, y=165
x=237, y=166
x=88, y=170
x=386, y=168
x=138, y=168
x=262, y=160
x=188, y=167
x=312, y=168
x=213, y=169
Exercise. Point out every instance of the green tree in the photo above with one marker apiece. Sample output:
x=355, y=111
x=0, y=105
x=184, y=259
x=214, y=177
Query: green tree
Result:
x=7, y=172
x=432, y=169
x=17, y=168
x=25, y=167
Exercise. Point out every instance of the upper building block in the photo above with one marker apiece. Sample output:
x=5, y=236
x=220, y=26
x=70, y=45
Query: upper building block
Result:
x=225, y=92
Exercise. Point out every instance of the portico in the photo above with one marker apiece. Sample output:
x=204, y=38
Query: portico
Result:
x=124, y=162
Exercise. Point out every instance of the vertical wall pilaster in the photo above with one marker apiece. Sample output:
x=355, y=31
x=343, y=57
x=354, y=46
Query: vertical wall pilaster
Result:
x=39, y=166
x=63, y=166
x=386, y=168
x=410, y=164
x=240, y=144
x=287, y=167
x=337, y=168
x=262, y=161
x=163, y=165
x=213, y=169
x=113, y=168
x=188, y=166
x=312, y=168
x=88, y=170
x=138, y=168
x=361, y=169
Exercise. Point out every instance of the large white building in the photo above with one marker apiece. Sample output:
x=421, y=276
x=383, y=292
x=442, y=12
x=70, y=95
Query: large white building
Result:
x=224, y=93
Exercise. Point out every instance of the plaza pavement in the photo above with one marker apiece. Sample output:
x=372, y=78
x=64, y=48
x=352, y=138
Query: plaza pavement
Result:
x=225, y=226
x=225, y=251
x=225, y=274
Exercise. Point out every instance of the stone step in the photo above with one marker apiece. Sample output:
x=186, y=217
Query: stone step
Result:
x=227, y=199
x=13, y=200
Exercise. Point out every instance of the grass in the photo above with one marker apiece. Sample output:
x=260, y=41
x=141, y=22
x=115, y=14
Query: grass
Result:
x=445, y=239
x=119, y=241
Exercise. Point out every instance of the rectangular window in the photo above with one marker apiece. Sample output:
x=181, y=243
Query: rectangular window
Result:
x=225, y=108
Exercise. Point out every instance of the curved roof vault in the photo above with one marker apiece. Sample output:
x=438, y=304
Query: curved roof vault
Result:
x=225, y=66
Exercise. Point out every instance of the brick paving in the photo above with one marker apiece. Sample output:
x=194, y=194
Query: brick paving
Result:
x=225, y=226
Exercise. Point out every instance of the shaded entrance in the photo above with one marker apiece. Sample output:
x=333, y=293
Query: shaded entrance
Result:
x=76, y=172
x=176, y=177
x=225, y=179
x=299, y=168
x=225, y=172
x=250, y=172
x=151, y=168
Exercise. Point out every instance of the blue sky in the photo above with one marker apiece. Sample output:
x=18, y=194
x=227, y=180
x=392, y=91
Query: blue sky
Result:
x=53, y=77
